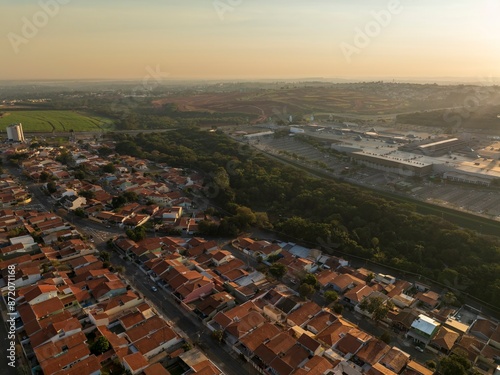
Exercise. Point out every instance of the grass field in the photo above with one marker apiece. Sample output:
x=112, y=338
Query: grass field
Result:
x=57, y=121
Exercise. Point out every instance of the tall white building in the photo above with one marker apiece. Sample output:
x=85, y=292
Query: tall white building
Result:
x=15, y=133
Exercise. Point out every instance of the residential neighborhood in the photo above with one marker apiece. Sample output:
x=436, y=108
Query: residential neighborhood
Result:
x=98, y=305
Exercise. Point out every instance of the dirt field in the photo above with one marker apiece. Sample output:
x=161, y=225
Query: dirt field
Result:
x=299, y=101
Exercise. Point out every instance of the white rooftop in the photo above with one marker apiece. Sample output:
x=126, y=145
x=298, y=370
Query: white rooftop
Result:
x=425, y=324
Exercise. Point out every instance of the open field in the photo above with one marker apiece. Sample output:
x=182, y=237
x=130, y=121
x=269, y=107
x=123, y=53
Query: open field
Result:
x=284, y=102
x=55, y=121
x=368, y=101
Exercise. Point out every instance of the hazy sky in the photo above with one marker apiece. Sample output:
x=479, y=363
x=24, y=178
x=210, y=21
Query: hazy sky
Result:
x=249, y=38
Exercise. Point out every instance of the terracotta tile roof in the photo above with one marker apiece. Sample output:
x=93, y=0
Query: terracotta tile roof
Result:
x=359, y=292
x=304, y=313
x=326, y=276
x=235, y=274
x=118, y=301
x=149, y=326
x=226, y=267
x=74, y=347
x=315, y=366
x=430, y=298
x=471, y=345
x=132, y=319
x=418, y=369
x=154, y=340
x=308, y=342
x=322, y=320
x=258, y=336
x=190, y=287
x=136, y=361
x=183, y=278
x=281, y=343
x=114, y=340
x=334, y=332
x=241, y=327
x=295, y=356
x=395, y=359
x=483, y=327
x=281, y=367
x=156, y=369
x=47, y=307
x=445, y=338
x=343, y=281
x=349, y=344
x=54, y=327
x=373, y=351
x=264, y=353
x=38, y=290
x=88, y=366
x=378, y=369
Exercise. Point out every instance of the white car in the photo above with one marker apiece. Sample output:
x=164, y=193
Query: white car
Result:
x=419, y=349
x=154, y=289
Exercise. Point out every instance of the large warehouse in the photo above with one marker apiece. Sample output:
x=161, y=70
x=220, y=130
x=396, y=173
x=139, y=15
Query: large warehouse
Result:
x=441, y=147
x=394, y=165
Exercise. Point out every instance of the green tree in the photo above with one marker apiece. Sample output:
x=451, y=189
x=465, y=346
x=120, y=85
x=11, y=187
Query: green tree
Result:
x=131, y=196
x=311, y=280
x=277, y=270
x=245, y=217
x=109, y=168
x=338, y=308
x=104, y=151
x=51, y=187
x=330, y=296
x=450, y=366
x=218, y=335
x=221, y=178
x=376, y=306
x=370, y=277
x=306, y=290
x=431, y=364
x=118, y=201
x=80, y=212
x=89, y=194
x=64, y=157
x=99, y=346
x=105, y=256
x=450, y=299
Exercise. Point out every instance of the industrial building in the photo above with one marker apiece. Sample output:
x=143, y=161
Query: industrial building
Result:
x=441, y=147
x=15, y=133
x=399, y=166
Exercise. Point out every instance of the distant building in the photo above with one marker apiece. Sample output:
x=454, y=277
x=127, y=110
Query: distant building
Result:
x=15, y=133
x=441, y=147
x=393, y=165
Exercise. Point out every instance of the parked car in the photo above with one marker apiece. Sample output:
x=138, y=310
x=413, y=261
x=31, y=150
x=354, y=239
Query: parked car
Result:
x=154, y=289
